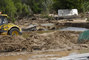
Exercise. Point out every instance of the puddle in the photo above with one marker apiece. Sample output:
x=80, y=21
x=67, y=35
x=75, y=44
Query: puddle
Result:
x=48, y=55
x=48, y=24
x=73, y=29
x=65, y=28
x=69, y=29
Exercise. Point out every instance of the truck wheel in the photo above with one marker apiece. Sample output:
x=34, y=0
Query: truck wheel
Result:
x=14, y=31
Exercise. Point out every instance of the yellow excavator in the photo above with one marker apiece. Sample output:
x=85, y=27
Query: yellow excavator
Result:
x=7, y=28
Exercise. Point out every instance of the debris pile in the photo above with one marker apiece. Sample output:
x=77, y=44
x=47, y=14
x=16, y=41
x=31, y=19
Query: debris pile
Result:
x=65, y=40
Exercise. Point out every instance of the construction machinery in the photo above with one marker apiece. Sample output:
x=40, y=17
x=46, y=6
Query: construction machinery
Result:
x=7, y=28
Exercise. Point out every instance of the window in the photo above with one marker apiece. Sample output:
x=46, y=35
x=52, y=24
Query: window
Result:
x=5, y=21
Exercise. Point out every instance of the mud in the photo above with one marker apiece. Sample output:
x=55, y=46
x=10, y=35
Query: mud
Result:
x=63, y=40
x=10, y=43
x=56, y=24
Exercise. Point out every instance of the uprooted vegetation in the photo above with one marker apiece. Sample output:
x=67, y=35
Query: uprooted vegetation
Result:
x=65, y=40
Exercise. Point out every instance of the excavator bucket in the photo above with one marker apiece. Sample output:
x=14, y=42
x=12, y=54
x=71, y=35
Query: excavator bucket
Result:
x=83, y=37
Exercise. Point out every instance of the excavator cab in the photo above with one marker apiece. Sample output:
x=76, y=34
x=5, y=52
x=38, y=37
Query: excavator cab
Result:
x=3, y=20
x=7, y=28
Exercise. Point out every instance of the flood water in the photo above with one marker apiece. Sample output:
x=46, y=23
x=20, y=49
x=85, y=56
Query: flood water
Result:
x=66, y=28
x=48, y=55
x=73, y=29
x=47, y=24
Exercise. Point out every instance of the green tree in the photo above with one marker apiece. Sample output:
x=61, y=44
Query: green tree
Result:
x=71, y=4
x=22, y=9
x=7, y=7
x=35, y=5
x=47, y=6
x=25, y=10
x=84, y=6
x=66, y=4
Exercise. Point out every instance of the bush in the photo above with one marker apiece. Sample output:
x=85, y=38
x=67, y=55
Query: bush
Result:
x=25, y=10
x=14, y=8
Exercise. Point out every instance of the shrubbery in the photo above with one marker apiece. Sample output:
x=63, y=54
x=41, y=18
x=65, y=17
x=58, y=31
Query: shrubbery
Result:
x=21, y=8
x=14, y=8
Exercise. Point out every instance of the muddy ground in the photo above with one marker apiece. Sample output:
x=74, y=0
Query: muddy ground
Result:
x=30, y=41
x=44, y=40
x=53, y=23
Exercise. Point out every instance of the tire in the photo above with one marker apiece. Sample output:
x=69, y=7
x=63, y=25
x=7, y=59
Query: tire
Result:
x=14, y=31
